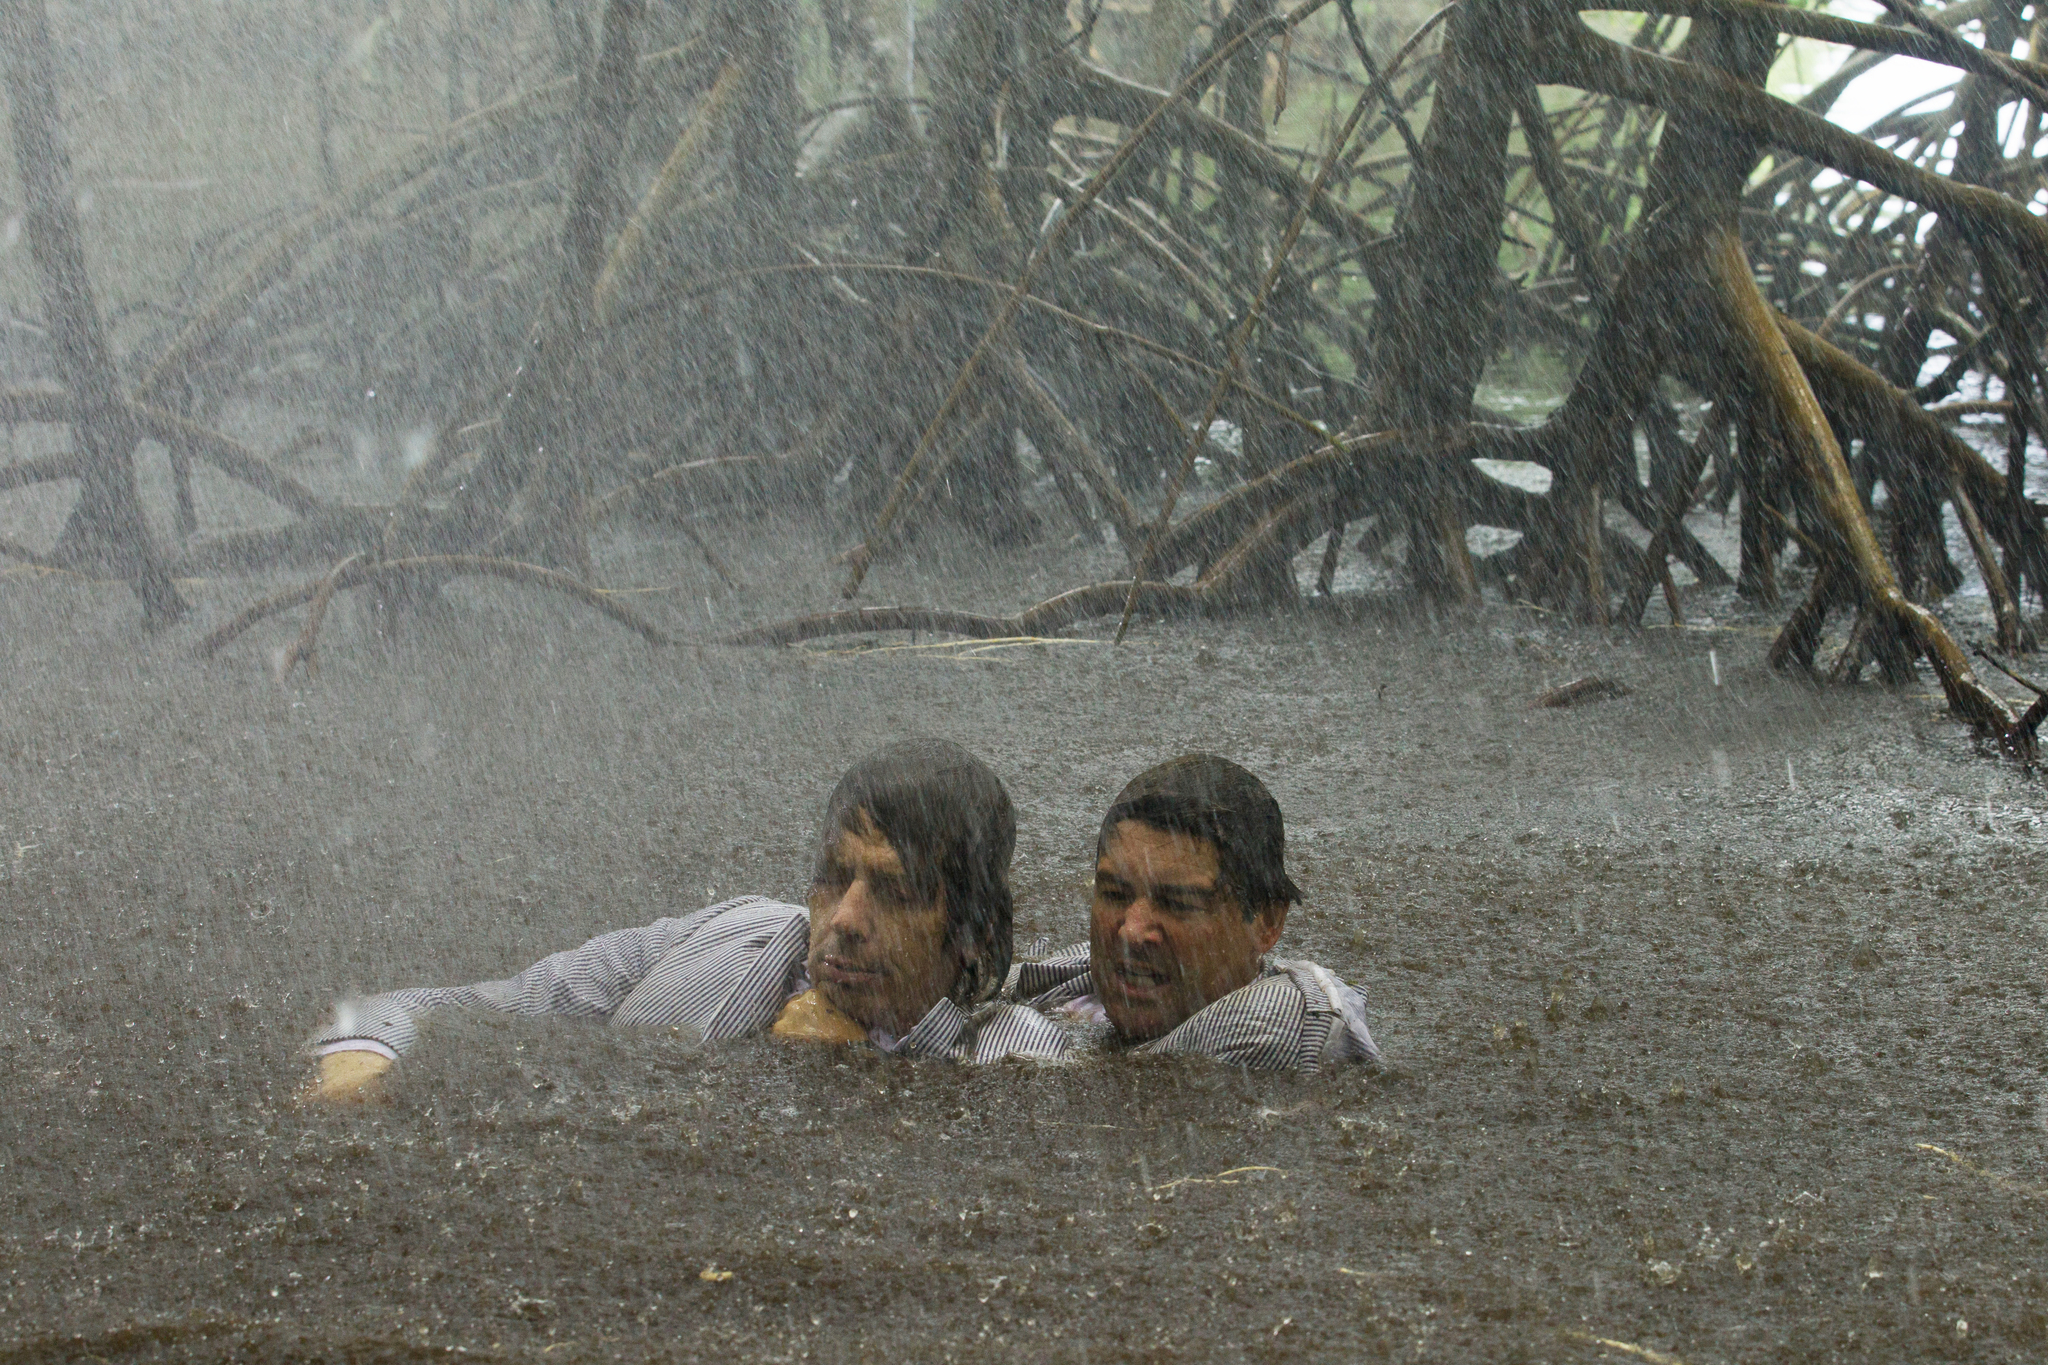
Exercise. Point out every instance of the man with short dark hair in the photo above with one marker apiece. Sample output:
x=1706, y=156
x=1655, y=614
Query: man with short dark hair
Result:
x=1191, y=893
x=906, y=936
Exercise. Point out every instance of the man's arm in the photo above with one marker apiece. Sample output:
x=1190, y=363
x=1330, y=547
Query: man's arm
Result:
x=366, y=1037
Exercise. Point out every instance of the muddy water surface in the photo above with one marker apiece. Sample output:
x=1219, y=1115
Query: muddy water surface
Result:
x=1715, y=1011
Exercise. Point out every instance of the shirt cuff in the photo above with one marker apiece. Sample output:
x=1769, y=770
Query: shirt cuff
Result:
x=356, y=1045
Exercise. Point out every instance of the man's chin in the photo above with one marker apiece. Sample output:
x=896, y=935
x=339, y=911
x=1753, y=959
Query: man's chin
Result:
x=1137, y=1022
x=856, y=1005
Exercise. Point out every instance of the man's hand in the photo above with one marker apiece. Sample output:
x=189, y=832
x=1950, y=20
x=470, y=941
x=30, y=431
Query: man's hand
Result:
x=351, y=1076
x=810, y=1018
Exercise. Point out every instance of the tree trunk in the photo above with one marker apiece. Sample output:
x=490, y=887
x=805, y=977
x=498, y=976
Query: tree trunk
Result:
x=106, y=529
x=1694, y=186
x=1433, y=328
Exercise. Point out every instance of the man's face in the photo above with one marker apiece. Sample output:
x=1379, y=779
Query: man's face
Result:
x=878, y=951
x=1164, y=938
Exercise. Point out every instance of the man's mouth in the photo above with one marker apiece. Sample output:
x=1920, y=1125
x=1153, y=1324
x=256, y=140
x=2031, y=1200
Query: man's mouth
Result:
x=1138, y=981
x=846, y=971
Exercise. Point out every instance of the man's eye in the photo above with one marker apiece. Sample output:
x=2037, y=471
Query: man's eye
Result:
x=1112, y=892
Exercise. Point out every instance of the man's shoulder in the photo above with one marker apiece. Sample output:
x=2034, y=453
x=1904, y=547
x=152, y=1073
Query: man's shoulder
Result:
x=740, y=916
x=727, y=935
x=1296, y=1014
x=1335, y=1011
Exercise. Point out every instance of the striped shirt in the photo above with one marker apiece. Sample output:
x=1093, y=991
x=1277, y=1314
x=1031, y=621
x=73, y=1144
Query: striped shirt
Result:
x=721, y=973
x=1296, y=1016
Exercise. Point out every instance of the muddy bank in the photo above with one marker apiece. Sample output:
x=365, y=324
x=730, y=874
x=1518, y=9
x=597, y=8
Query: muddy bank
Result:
x=1677, y=986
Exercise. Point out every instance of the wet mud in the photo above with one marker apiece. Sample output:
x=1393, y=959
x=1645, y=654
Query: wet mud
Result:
x=1715, y=1010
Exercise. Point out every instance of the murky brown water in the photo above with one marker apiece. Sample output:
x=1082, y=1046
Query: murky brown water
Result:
x=1678, y=986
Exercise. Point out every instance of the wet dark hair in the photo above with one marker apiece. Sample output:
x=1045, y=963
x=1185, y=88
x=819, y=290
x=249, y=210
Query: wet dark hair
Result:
x=1212, y=798
x=950, y=821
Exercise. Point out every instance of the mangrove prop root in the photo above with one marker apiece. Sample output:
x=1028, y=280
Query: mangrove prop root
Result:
x=913, y=468
x=655, y=206
x=276, y=258
x=230, y=457
x=302, y=650
x=1819, y=460
x=2013, y=635
x=361, y=574
x=106, y=525
x=1234, y=358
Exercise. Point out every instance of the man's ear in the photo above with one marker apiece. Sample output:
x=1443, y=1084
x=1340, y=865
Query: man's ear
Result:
x=1267, y=924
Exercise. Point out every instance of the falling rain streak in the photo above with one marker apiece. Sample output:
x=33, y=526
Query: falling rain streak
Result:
x=1043, y=663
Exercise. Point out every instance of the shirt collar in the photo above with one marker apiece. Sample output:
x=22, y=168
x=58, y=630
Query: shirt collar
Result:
x=938, y=1034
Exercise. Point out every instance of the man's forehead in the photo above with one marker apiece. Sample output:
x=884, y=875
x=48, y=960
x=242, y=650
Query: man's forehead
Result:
x=870, y=848
x=1189, y=859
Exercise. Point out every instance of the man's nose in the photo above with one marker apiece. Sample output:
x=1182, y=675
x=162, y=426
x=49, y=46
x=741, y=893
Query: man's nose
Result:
x=853, y=913
x=1142, y=924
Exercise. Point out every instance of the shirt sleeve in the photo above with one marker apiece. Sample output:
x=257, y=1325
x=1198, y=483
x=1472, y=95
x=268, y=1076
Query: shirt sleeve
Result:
x=586, y=982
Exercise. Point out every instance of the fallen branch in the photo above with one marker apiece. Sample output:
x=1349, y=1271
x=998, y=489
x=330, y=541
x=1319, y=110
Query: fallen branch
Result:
x=1055, y=613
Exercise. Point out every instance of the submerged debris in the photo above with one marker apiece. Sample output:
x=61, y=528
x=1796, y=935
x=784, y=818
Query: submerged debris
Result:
x=1582, y=690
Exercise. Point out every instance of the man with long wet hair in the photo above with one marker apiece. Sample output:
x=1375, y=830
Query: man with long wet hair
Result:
x=1191, y=893
x=905, y=939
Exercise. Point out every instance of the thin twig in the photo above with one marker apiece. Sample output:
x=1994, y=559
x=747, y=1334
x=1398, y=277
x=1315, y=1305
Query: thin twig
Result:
x=1395, y=114
x=2027, y=683
x=1630, y=1348
x=2003, y=1182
